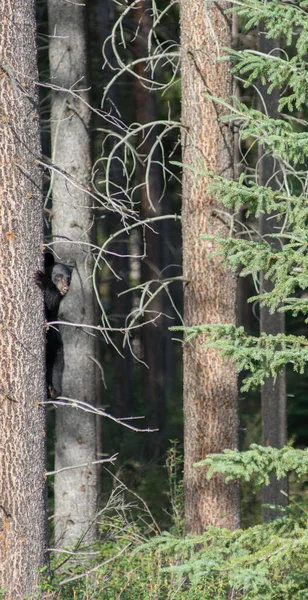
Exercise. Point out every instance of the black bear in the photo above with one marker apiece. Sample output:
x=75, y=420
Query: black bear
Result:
x=55, y=283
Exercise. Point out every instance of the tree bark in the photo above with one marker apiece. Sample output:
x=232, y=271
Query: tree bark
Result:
x=75, y=490
x=210, y=384
x=22, y=334
x=273, y=392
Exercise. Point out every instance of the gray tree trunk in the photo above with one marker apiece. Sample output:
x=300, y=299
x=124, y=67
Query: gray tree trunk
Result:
x=75, y=490
x=210, y=384
x=22, y=333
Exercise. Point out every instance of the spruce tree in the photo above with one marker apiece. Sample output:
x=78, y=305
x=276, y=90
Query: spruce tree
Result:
x=268, y=560
x=286, y=139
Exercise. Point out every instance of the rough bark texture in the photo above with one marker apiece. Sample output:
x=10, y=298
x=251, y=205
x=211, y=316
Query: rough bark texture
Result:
x=152, y=335
x=75, y=490
x=273, y=392
x=210, y=384
x=22, y=335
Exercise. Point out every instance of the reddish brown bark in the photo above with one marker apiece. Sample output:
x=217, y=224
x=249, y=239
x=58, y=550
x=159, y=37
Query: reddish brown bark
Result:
x=210, y=384
x=22, y=335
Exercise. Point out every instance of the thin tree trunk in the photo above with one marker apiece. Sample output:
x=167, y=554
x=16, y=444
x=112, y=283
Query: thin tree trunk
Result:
x=210, y=384
x=22, y=334
x=76, y=489
x=152, y=335
x=273, y=392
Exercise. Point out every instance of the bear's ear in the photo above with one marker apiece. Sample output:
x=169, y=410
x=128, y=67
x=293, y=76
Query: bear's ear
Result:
x=49, y=260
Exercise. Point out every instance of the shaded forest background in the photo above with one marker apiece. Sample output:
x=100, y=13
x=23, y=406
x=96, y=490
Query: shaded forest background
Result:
x=130, y=388
x=131, y=214
x=141, y=464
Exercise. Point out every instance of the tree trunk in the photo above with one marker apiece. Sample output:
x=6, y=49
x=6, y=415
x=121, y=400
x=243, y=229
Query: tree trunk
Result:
x=210, y=384
x=22, y=336
x=76, y=489
x=152, y=334
x=273, y=392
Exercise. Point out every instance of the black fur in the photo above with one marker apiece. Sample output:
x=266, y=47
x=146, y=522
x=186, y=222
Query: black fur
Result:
x=55, y=283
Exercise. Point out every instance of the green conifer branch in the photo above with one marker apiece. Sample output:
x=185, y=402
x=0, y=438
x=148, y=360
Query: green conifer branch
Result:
x=260, y=357
x=269, y=560
x=276, y=135
x=279, y=18
x=276, y=71
x=257, y=463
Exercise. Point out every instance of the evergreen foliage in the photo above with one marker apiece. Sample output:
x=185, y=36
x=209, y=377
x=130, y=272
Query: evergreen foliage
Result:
x=258, y=463
x=276, y=135
x=269, y=560
x=276, y=71
x=261, y=357
x=279, y=18
x=133, y=560
x=282, y=256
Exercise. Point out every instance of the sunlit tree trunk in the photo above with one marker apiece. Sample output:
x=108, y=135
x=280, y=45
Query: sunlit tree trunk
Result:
x=76, y=489
x=22, y=333
x=210, y=384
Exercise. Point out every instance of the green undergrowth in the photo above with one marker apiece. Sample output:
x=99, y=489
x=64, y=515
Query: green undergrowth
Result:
x=134, y=560
x=267, y=561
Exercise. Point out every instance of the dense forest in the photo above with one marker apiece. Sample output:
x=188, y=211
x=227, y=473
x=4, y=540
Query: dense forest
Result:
x=153, y=278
